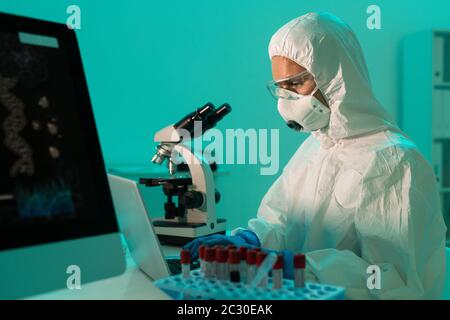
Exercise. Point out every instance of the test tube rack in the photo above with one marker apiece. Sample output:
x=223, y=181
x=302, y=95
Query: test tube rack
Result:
x=199, y=287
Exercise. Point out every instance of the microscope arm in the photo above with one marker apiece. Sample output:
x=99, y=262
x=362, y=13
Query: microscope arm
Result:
x=203, y=182
x=168, y=134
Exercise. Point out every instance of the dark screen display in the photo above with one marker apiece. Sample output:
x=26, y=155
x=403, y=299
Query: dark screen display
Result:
x=52, y=181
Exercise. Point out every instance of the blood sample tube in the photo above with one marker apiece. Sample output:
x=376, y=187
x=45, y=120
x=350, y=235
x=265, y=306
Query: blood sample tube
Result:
x=299, y=270
x=210, y=257
x=251, y=265
x=185, y=257
x=233, y=260
x=277, y=273
x=243, y=264
x=216, y=248
x=260, y=256
x=201, y=257
x=221, y=263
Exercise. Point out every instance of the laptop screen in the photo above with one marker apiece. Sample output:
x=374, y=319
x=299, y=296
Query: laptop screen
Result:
x=52, y=178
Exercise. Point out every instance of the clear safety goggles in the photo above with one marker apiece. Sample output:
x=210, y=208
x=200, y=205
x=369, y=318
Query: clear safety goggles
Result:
x=288, y=88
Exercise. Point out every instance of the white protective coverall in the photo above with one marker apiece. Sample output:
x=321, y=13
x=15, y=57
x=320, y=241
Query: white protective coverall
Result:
x=357, y=193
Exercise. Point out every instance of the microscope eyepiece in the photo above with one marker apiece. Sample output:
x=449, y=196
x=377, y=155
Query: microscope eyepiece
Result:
x=200, y=114
x=208, y=115
x=206, y=110
x=221, y=112
x=218, y=115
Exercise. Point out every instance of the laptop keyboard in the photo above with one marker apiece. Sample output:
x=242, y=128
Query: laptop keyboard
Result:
x=175, y=265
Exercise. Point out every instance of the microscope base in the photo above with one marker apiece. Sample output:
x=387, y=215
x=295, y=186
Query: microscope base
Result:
x=175, y=233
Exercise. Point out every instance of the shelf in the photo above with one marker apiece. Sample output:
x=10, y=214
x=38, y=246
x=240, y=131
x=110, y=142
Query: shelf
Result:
x=151, y=171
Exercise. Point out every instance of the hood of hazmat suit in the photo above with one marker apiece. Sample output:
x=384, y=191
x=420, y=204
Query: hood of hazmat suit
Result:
x=357, y=197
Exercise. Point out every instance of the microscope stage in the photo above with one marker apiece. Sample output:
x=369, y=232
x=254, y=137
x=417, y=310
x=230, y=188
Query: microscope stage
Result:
x=178, y=233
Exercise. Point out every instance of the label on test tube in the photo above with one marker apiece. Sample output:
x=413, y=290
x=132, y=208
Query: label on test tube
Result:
x=210, y=257
x=216, y=248
x=260, y=256
x=243, y=264
x=221, y=263
x=299, y=270
x=235, y=276
x=185, y=257
x=251, y=265
x=277, y=273
x=233, y=260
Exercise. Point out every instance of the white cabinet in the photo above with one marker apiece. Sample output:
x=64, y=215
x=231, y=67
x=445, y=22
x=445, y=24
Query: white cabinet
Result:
x=441, y=113
x=425, y=114
x=441, y=46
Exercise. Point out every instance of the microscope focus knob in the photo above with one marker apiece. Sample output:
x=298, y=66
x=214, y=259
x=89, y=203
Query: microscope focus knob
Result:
x=192, y=199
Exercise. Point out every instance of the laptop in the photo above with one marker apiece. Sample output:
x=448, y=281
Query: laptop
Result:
x=137, y=228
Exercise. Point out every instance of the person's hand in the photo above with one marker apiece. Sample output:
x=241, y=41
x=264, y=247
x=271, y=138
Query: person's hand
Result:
x=242, y=239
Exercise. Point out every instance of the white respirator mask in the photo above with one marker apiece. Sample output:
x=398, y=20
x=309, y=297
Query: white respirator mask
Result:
x=304, y=113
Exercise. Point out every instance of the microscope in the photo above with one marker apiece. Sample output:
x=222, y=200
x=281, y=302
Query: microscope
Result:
x=195, y=213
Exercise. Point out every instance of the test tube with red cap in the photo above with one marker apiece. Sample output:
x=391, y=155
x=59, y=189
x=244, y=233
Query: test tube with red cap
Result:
x=277, y=273
x=299, y=270
x=216, y=248
x=234, y=261
x=221, y=263
x=185, y=257
x=260, y=256
x=201, y=257
x=251, y=265
x=210, y=257
x=243, y=264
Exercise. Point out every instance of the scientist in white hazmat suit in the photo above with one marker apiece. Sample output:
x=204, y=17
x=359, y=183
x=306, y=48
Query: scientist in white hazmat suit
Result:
x=357, y=193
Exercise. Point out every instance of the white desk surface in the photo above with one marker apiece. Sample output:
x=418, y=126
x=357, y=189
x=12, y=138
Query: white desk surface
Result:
x=131, y=285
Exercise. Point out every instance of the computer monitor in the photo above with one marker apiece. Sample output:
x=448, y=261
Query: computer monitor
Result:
x=57, y=222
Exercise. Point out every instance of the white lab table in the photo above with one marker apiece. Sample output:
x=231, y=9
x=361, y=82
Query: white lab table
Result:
x=131, y=285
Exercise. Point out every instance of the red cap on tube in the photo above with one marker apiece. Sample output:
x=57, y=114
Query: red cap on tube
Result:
x=251, y=257
x=257, y=249
x=299, y=261
x=201, y=252
x=243, y=252
x=234, y=257
x=260, y=256
x=221, y=255
x=231, y=247
x=185, y=257
x=210, y=254
x=279, y=263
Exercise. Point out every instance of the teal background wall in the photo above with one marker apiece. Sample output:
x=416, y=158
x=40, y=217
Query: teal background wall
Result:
x=149, y=63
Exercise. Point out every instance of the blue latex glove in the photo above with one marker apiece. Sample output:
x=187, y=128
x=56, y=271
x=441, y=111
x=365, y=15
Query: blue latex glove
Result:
x=288, y=262
x=245, y=238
